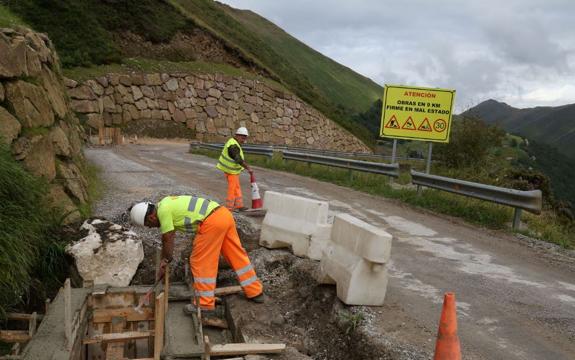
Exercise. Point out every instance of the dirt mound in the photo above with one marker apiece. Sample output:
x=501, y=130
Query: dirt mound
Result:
x=308, y=317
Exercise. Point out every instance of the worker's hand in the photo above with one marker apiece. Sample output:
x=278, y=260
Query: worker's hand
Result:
x=250, y=171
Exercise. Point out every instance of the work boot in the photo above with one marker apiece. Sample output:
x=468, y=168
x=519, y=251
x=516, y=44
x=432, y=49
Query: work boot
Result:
x=243, y=208
x=260, y=299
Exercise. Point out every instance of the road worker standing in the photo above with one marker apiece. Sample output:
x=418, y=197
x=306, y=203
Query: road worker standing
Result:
x=216, y=233
x=232, y=163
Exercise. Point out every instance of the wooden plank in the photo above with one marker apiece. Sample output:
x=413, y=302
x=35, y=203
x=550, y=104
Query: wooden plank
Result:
x=14, y=336
x=228, y=290
x=207, y=347
x=23, y=317
x=68, y=314
x=215, y=322
x=15, y=349
x=106, y=315
x=166, y=288
x=115, y=337
x=246, y=349
x=159, y=326
x=32, y=323
x=115, y=350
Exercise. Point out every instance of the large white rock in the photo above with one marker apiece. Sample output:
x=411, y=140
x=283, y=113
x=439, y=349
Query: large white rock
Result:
x=109, y=254
x=295, y=222
x=355, y=259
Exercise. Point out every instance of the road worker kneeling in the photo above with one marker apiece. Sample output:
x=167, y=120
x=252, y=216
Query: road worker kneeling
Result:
x=216, y=233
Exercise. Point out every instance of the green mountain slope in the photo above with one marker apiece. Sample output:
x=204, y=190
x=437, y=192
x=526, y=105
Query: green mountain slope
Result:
x=338, y=83
x=332, y=88
x=554, y=126
x=89, y=32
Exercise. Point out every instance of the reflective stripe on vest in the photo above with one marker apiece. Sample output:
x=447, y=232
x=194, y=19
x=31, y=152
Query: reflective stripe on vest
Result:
x=198, y=210
x=225, y=163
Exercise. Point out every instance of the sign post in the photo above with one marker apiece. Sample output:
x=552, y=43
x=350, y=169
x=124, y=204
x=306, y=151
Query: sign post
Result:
x=428, y=167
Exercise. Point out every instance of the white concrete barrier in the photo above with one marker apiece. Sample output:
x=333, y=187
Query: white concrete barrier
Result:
x=355, y=259
x=296, y=222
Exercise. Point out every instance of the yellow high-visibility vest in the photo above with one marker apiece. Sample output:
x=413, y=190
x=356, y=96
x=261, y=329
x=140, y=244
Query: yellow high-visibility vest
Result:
x=183, y=213
x=227, y=164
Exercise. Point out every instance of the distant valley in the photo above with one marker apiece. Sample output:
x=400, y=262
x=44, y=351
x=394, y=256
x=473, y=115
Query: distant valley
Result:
x=554, y=126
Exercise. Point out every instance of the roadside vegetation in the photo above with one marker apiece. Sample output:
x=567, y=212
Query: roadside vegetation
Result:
x=33, y=263
x=31, y=246
x=83, y=30
x=477, y=153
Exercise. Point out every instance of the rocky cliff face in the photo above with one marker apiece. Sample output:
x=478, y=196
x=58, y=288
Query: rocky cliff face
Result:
x=212, y=105
x=35, y=119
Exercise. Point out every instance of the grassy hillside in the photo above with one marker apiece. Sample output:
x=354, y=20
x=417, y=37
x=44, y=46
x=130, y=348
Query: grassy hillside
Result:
x=85, y=33
x=325, y=74
x=330, y=87
x=31, y=244
x=554, y=126
x=82, y=30
x=8, y=19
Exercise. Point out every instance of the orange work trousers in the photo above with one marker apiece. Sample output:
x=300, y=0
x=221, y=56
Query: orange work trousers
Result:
x=234, y=199
x=217, y=234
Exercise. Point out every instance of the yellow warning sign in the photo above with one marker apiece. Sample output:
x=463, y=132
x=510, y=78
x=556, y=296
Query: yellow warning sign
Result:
x=392, y=123
x=408, y=125
x=416, y=113
x=424, y=125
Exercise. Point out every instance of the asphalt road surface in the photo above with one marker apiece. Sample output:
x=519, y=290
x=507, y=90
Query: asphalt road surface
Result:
x=514, y=300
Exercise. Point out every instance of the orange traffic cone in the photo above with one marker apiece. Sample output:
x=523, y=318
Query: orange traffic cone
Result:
x=447, y=346
x=256, y=198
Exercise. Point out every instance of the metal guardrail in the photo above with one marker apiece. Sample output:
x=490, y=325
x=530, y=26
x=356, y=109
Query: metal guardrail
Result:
x=531, y=201
x=253, y=148
x=351, y=164
x=248, y=149
x=358, y=165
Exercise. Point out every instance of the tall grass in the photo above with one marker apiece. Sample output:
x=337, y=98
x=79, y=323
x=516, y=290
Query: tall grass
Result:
x=30, y=246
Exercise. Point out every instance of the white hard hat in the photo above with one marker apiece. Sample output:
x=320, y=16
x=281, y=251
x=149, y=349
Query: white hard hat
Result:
x=138, y=213
x=242, y=131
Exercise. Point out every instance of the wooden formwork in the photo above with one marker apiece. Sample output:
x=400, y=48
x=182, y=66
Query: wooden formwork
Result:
x=102, y=323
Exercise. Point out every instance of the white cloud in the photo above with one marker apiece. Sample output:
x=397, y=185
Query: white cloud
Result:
x=518, y=51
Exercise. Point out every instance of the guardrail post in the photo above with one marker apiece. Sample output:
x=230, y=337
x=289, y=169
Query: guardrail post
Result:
x=517, y=219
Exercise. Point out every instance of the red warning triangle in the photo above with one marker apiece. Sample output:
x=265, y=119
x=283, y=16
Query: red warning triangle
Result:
x=409, y=125
x=424, y=126
x=392, y=123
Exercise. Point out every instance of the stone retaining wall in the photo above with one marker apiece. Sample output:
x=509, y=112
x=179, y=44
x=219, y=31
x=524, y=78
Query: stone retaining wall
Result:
x=35, y=119
x=211, y=105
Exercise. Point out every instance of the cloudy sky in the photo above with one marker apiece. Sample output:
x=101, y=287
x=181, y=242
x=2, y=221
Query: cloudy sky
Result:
x=521, y=52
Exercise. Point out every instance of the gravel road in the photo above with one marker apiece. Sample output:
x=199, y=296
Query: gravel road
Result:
x=515, y=298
